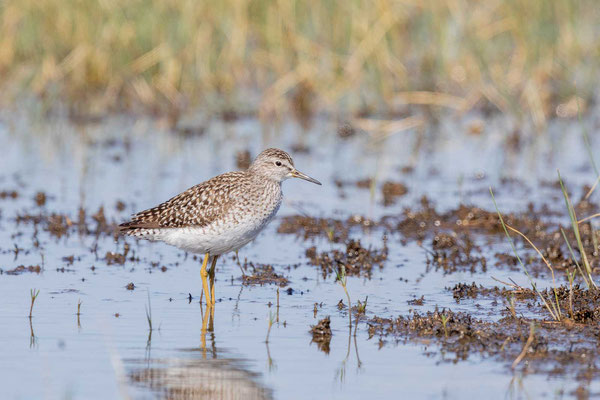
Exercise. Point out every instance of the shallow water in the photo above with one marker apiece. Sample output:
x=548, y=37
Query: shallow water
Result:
x=108, y=352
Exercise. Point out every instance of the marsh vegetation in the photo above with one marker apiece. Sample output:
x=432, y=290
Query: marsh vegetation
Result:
x=443, y=256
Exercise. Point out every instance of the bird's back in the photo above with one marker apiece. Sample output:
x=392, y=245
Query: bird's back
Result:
x=218, y=215
x=198, y=206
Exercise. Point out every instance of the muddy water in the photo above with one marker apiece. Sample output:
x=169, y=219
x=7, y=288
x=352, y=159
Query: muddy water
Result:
x=124, y=164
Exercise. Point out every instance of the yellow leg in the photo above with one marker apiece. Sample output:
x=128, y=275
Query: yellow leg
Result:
x=211, y=319
x=204, y=274
x=204, y=325
x=213, y=268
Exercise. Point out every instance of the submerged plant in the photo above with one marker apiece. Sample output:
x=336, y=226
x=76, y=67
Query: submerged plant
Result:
x=526, y=347
x=361, y=308
x=32, y=338
x=277, y=308
x=271, y=320
x=237, y=260
x=149, y=313
x=444, y=324
x=343, y=279
x=34, y=294
x=79, y=302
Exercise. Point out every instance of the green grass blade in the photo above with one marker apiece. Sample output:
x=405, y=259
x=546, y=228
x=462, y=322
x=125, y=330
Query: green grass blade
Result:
x=575, y=224
x=574, y=258
x=512, y=244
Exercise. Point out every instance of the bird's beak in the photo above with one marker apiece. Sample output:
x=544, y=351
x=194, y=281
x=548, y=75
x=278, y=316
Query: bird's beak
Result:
x=297, y=174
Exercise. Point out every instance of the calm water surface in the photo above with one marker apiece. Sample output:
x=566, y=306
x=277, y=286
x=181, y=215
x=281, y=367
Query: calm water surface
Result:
x=108, y=353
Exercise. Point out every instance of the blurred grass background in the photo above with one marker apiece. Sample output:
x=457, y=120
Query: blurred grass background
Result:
x=527, y=58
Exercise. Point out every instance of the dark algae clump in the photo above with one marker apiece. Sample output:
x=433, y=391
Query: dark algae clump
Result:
x=356, y=259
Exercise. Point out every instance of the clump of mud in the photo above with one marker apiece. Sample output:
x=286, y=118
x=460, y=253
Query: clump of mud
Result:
x=59, y=225
x=40, y=199
x=455, y=236
x=452, y=252
x=535, y=223
x=8, y=194
x=321, y=334
x=417, y=302
x=391, y=191
x=113, y=258
x=425, y=221
x=356, y=259
x=365, y=183
x=462, y=291
x=582, y=306
x=21, y=269
x=263, y=274
x=335, y=230
x=543, y=346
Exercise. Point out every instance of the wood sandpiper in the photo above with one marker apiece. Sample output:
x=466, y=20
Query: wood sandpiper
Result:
x=220, y=215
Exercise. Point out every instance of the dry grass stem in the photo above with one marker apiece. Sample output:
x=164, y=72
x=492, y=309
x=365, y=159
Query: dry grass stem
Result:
x=526, y=347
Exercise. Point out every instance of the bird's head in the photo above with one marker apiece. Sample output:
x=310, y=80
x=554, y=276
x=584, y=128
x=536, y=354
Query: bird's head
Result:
x=277, y=165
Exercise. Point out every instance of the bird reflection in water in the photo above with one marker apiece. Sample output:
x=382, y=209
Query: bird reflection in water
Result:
x=201, y=374
x=199, y=378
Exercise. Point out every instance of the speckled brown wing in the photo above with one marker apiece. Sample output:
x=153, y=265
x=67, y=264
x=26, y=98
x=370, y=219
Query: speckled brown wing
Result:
x=198, y=206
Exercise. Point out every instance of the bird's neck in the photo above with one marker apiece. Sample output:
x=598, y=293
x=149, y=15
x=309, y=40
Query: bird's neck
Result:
x=265, y=179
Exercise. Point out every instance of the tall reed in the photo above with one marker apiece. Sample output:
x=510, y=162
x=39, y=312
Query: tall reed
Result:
x=363, y=55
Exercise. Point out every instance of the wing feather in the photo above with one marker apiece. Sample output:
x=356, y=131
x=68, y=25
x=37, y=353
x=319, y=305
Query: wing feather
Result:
x=198, y=206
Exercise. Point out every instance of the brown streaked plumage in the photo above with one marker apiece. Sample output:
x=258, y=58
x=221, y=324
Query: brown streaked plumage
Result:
x=198, y=206
x=222, y=214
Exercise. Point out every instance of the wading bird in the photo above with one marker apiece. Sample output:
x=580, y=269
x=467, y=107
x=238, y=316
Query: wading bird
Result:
x=220, y=215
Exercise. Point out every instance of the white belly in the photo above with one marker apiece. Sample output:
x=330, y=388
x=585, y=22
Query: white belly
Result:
x=218, y=238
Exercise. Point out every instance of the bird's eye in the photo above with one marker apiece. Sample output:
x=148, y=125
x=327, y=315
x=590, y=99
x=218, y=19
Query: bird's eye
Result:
x=278, y=163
